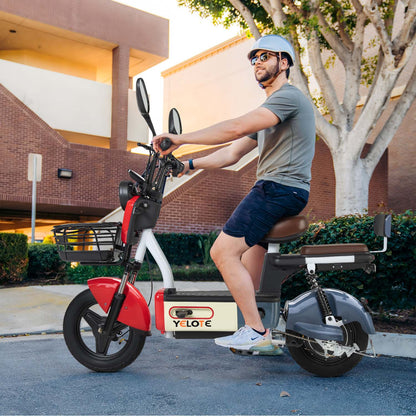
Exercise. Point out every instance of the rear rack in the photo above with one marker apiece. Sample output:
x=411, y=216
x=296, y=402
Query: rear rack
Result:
x=92, y=243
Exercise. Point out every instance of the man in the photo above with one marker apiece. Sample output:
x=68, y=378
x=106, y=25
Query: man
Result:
x=283, y=128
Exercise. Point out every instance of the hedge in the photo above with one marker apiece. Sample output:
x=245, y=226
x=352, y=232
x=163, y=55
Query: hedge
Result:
x=393, y=284
x=13, y=257
x=183, y=249
x=45, y=263
x=193, y=272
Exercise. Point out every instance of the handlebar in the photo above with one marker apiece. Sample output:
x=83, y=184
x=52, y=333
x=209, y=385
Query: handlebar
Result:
x=165, y=144
x=151, y=183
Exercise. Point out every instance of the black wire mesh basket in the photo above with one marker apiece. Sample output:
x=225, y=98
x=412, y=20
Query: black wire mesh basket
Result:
x=92, y=243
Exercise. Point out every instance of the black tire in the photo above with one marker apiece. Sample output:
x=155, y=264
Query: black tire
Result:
x=309, y=355
x=80, y=332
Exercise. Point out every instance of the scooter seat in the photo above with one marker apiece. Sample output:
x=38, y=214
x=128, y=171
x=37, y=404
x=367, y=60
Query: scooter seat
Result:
x=328, y=249
x=287, y=229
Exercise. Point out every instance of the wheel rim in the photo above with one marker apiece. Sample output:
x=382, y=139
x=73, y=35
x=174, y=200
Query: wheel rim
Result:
x=316, y=353
x=86, y=331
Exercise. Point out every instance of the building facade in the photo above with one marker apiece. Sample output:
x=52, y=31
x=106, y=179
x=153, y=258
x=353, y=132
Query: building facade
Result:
x=66, y=93
x=219, y=84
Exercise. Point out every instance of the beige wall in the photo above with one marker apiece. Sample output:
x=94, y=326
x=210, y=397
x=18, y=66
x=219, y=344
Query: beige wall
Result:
x=212, y=87
x=219, y=84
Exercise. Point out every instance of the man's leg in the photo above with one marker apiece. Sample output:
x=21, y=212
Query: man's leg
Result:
x=227, y=252
x=253, y=260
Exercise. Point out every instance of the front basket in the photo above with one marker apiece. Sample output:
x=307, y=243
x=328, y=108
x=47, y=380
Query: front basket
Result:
x=93, y=243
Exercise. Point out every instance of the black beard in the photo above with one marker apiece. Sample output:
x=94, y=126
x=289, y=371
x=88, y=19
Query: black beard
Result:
x=268, y=74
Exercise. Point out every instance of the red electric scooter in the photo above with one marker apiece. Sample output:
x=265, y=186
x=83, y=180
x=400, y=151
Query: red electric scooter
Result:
x=105, y=327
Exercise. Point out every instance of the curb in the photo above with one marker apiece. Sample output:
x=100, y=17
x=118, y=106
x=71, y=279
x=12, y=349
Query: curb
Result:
x=394, y=345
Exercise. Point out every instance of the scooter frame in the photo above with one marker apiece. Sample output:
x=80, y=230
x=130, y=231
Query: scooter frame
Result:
x=319, y=315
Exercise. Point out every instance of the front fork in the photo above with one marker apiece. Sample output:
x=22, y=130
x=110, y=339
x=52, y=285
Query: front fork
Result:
x=105, y=331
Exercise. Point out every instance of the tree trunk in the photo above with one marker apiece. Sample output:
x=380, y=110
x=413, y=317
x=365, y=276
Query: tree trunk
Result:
x=352, y=184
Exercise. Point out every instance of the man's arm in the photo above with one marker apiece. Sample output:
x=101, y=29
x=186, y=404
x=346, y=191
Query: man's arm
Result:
x=224, y=132
x=226, y=156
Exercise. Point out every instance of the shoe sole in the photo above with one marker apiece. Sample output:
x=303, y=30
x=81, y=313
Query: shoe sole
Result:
x=276, y=352
x=268, y=347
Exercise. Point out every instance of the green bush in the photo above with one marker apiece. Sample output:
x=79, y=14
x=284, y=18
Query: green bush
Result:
x=393, y=284
x=182, y=249
x=45, y=263
x=82, y=273
x=13, y=257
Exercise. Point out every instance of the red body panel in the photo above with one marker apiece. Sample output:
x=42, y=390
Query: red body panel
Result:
x=160, y=310
x=126, y=218
x=134, y=312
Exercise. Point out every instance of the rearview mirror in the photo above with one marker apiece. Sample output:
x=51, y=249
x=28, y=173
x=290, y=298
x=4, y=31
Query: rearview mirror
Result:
x=175, y=124
x=143, y=103
x=142, y=97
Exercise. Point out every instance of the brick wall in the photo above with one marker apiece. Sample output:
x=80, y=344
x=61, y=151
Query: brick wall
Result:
x=201, y=205
x=93, y=190
x=206, y=202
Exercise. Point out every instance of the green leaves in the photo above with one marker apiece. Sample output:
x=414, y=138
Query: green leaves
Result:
x=393, y=284
x=13, y=257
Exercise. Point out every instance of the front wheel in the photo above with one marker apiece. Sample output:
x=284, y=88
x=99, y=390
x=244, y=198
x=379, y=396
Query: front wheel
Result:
x=326, y=358
x=83, y=323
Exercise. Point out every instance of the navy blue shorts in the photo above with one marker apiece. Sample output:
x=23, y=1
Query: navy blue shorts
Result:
x=264, y=205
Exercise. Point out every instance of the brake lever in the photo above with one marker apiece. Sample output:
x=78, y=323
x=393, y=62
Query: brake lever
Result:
x=135, y=176
x=146, y=146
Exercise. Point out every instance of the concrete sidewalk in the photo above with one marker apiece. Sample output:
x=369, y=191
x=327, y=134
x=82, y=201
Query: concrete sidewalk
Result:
x=40, y=310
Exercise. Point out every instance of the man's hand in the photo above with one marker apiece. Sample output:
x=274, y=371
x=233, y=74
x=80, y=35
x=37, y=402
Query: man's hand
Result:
x=157, y=140
x=185, y=169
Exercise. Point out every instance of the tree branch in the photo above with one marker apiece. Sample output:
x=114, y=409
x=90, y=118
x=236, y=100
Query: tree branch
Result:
x=404, y=42
x=372, y=12
x=375, y=105
x=340, y=49
x=408, y=27
x=325, y=83
x=275, y=10
x=392, y=124
x=247, y=16
x=353, y=72
x=292, y=7
x=266, y=4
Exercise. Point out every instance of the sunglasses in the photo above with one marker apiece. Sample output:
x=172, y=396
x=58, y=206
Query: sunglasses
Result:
x=263, y=57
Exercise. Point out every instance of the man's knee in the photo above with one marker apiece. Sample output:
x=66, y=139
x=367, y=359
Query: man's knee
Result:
x=215, y=252
x=226, y=247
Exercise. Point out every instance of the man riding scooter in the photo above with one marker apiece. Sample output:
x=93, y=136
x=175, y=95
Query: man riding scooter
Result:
x=283, y=129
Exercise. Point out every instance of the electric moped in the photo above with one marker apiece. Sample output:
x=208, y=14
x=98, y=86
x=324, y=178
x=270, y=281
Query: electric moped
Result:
x=105, y=327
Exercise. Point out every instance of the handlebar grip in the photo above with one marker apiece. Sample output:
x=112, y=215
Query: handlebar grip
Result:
x=165, y=144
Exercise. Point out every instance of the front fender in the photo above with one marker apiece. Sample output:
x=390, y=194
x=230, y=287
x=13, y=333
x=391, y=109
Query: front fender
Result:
x=304, y=315
x=134, y=312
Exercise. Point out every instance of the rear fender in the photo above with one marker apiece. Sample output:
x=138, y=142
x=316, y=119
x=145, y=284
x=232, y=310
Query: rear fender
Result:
x=304, y=315
x=134, y=312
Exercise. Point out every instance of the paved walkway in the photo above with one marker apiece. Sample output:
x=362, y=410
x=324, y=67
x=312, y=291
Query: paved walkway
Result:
x=40, y=310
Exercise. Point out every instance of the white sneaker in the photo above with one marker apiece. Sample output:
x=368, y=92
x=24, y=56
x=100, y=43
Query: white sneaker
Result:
x=247, y=339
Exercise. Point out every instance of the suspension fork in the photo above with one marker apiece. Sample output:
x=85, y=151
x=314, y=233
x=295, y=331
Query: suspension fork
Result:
x=324, y=306
x=105, y=331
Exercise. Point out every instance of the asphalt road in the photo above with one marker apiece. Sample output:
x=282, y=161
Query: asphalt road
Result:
x=172, y=377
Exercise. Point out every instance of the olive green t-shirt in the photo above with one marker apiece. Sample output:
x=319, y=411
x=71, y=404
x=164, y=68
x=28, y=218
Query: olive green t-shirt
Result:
x=286, y=150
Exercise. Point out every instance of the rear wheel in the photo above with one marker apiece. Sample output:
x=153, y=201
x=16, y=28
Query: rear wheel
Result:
x=324, y=358
x=83, y=323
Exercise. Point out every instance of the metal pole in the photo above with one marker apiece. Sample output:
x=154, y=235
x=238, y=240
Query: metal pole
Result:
x=34, y=198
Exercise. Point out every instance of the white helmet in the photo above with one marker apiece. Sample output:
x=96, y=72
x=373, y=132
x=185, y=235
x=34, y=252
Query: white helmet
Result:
x=273, y=43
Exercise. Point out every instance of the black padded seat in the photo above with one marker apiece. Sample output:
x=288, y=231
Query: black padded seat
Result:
x=287, y=229
x=320, y=250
